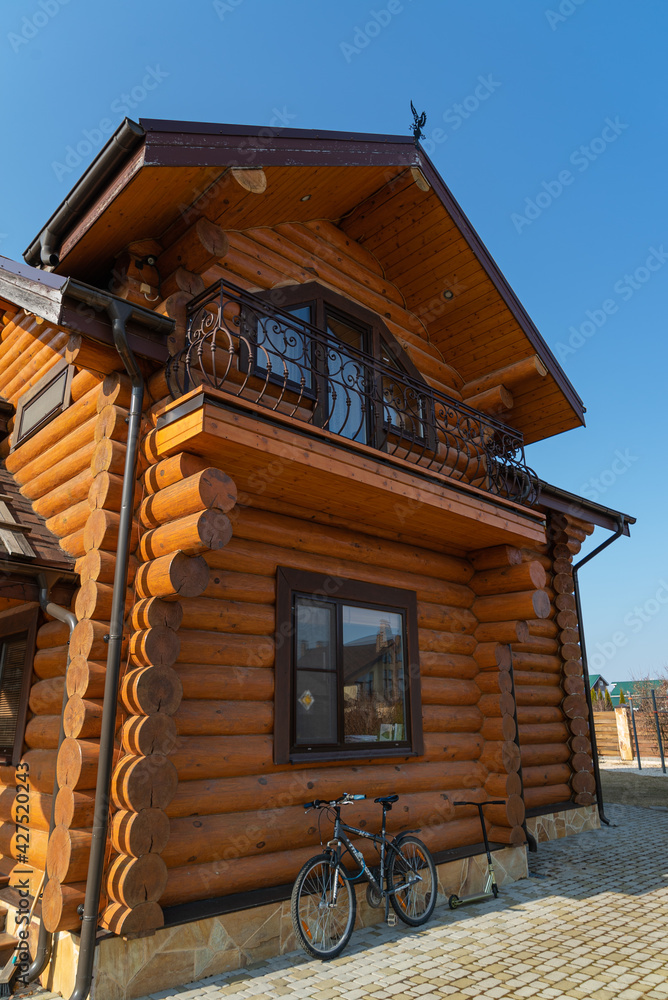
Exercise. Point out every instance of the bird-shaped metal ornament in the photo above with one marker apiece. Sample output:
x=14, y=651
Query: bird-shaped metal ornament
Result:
x=418, y=123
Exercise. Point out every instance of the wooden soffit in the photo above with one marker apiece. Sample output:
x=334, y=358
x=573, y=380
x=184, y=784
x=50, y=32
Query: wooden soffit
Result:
x=321, y=477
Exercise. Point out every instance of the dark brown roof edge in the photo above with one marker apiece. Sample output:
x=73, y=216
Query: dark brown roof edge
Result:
x=261, y=131
x=553, y=498
x=502, y=285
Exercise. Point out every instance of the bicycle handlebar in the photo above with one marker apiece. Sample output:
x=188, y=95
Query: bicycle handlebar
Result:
x=343, y=800
x=490, y=802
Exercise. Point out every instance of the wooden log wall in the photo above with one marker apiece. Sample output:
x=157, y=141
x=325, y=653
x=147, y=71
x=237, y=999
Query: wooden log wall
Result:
x=182, y=514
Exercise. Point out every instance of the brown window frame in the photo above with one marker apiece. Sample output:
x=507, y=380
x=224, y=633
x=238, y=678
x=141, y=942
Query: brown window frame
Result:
x=12, y=623
x=291, y=582
x=40, y=387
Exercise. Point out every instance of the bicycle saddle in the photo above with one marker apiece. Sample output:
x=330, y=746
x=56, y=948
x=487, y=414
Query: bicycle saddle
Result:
x=387, y=800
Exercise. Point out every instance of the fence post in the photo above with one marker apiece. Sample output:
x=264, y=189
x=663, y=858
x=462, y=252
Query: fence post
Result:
x=624, y=733
x=658, y=732
x=635, y=731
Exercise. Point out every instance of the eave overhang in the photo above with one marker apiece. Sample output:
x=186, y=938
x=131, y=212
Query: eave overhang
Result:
x=77, y=307
x=552, y=498
x=154, y=179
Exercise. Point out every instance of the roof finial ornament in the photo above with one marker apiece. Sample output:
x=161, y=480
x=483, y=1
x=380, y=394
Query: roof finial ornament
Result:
x=418, y=122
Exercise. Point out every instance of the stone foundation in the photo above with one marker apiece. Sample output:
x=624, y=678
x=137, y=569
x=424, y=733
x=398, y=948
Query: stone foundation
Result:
x=172, y=956
x=552, y=826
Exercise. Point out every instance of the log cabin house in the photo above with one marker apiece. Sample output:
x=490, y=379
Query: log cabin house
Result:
x=266, y=400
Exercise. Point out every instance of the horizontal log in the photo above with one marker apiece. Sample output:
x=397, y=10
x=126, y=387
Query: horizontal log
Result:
x=451, y=719
x=455, y=665
x=154, y=612
x=201, y=244
x=501, y=785
x=136, y=834
x=443, y=618
x=74, y=809
x=196, y=533
x=546, y=774
x=116, y=388
x=67, y=854
x=528, y=678
x=495, y=400
x=538, y=695
x=546, y=795
x=149, y=734
x=85, y=353
x=34, y=812
x=172, y=470
x=42, y=732
x=77, y=763
x=232, y=683
x=198, y=718
x=538, y=662
x=537, y=644
x=228, y=616
x=144, y=783
x=74, y=544
x=581, y=762
x=107, y=456
x=583, y=781
x=544, y=628
x=151, y=689
x=537, y=754
x=13, y=844
x=52, y=633
x=86, y=678
x=173, y=575
x=548, y=732
x=219, y=648
x=209, y=489
x=499, y=728
x=100, y=566
x=46, y=697
x=57, y=430
x=105, y=492
x=290, y=788
x=197, y=840
x=292, y=533
x=60, y=472
x=514, y=836
x=112, y=422
x=157, y=647
x=101, y=531
x=50, y=662
x=132, y=881
x=492, y=705
x=82, y=718
x=94, y=601
x=431, y=641
x=518, y=374
x=536, y=714
x=69, y=493
x=503, y=607
x=495, y=557
x=447, y=691
x=225, y=586
x=89, y=639
x=500, y=756
x=71, y=439
x=132, y=921
x=41, y=766
x=67, y=521
x=60, y=905
x=509, y=579
x=512, y=631
x=575, y=706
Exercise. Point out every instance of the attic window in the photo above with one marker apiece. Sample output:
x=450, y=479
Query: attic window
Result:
x=50, y=396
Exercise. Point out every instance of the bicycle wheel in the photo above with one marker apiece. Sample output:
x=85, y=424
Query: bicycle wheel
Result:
x=412, y=867
x=323, y=927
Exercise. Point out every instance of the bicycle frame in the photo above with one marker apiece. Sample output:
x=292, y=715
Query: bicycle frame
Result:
x=340, y=839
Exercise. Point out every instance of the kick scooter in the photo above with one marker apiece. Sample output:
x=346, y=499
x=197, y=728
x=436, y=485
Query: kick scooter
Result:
x=491, y=889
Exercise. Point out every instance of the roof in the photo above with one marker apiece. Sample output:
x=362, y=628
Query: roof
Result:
x=635, y=689
x=594, y=678
x=30, y=529
x=155, y=178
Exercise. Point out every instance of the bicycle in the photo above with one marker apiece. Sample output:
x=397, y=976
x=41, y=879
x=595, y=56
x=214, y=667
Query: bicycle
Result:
x=323, y=903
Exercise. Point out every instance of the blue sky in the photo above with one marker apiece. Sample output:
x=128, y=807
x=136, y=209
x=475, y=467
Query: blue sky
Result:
x=547, y=120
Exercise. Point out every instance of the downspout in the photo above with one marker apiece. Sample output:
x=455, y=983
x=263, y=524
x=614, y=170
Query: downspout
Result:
x=585, y=664
x=45, y=939
x=119, y=312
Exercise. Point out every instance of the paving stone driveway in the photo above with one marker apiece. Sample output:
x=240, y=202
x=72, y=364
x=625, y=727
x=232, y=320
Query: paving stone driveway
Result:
x=592, y=923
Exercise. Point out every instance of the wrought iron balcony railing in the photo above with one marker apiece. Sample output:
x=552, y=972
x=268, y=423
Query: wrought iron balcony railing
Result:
x=246, y=346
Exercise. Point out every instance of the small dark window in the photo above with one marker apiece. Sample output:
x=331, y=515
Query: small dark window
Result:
x=17, y=647
x=347, y=669
x=51, y=395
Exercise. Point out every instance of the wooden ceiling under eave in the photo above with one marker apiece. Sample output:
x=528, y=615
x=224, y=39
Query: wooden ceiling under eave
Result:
x=411, y=232
x=424, y=253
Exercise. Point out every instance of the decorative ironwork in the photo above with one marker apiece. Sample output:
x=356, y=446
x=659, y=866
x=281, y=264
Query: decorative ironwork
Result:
x=250, y=348
x=419, y=122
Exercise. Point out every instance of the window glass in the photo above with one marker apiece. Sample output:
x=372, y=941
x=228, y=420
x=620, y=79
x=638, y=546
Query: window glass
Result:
x=44, y=401
x=373, y=675
x=349, y=381
x=315, y=674
x=284, y=350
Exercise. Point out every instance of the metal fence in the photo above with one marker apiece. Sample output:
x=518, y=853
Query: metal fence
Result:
x=649, y=727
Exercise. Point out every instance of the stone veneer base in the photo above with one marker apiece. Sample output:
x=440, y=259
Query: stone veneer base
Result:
x=173, y=956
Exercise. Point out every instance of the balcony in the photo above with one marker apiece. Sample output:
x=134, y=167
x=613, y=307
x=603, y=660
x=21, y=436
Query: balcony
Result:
x=246, y=347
